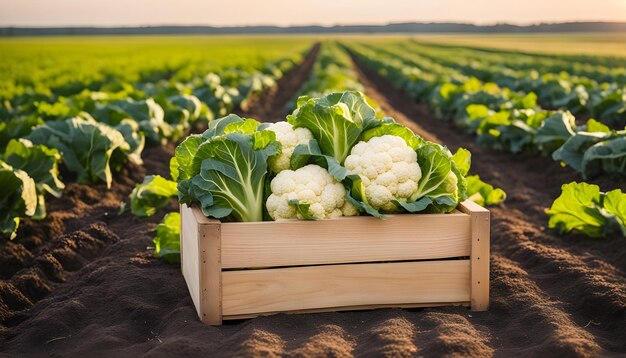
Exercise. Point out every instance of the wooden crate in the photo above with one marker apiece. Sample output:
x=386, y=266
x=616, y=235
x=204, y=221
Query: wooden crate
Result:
x=242, y=270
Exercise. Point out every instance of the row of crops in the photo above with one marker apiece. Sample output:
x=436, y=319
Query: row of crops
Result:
x=574, y=112
x=93, y=119
x=504, y=114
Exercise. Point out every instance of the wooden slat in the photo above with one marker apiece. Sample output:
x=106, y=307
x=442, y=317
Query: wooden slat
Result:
x=190, y=258
x=298, y=288
x=479, y=267
x=345, y=240
x=351, y=308
x=469, y=207
x=200, y=218
x=200, y=244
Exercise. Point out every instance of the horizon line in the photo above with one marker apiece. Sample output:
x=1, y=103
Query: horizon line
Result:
x=504, y=23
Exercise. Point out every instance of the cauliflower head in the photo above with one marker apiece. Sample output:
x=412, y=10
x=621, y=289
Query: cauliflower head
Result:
x=289, y=137
x=311, y=185
x=388, y=169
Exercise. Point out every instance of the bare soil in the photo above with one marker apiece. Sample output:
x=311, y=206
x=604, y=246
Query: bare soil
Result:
x=271, y=106
x=82, y=283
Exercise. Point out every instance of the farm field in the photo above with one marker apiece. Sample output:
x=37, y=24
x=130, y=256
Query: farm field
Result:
x=603, y=44
x=80, y=277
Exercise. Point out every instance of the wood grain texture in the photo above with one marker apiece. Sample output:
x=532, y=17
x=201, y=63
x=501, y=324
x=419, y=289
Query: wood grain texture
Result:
x=351, y=308
x=469, y=207
x=189, y=254
x=345, y=240
x=208, y=247
x=480, y=255
x=313, y=287
x=210, y=272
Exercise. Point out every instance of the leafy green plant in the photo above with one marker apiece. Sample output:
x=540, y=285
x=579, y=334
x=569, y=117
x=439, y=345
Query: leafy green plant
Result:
x=41, y=164
x=225, y=169
x=594, y=153
x=583, y=208
x=154, y=193
x=16, y=128
x=167, y=239
x=149, y=115
x=478, y=191
x=18, y=198
x=87, y=147
x=336, y=120
x=482, y=193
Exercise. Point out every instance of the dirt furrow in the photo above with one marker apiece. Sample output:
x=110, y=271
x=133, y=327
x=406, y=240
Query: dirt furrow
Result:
x=270, y=106
x=523, y=320
x=387, y=337
x=78, y=229
x=585, y=278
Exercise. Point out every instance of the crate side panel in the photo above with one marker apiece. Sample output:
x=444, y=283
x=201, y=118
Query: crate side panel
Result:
x=299, y=288
x=345, y=240
x=189, y=245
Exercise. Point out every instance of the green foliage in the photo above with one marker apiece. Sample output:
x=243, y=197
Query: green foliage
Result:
x=389, y=127
x=581, y=207
x=232, y=175
x=335, y=120
x=555, y=131
x=136, y=140
x=167, y=239
x=225, y=169
x=497, y=98
x=94, y=109
x=16, y=128
x=310, y=153
x=18, y=199
x=41, y=164
x=38, y=161
x=438, y=184
x=154, y=193
x=148, y=114
x=482, y=193
x=87, y=147
x=594, y=153
x=303, y=209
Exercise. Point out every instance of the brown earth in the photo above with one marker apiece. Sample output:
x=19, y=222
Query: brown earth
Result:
x=271, y=106
x=87, y=285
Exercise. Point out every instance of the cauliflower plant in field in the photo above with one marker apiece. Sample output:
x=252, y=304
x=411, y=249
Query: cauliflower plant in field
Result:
x=388, y=169
x=289, y=137
x=310, y=185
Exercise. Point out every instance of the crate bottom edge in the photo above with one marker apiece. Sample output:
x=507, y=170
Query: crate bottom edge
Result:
x=347, y=308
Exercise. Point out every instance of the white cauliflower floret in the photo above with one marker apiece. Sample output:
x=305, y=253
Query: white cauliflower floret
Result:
x=349, y=210
x=311, y=185
x=289, y=138
x=388, y=168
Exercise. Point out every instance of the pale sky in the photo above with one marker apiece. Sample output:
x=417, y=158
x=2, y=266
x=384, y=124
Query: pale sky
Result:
x=299, y=12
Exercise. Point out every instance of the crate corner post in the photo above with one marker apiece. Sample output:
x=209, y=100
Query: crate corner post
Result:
x=209, y=243
x=480, y=255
